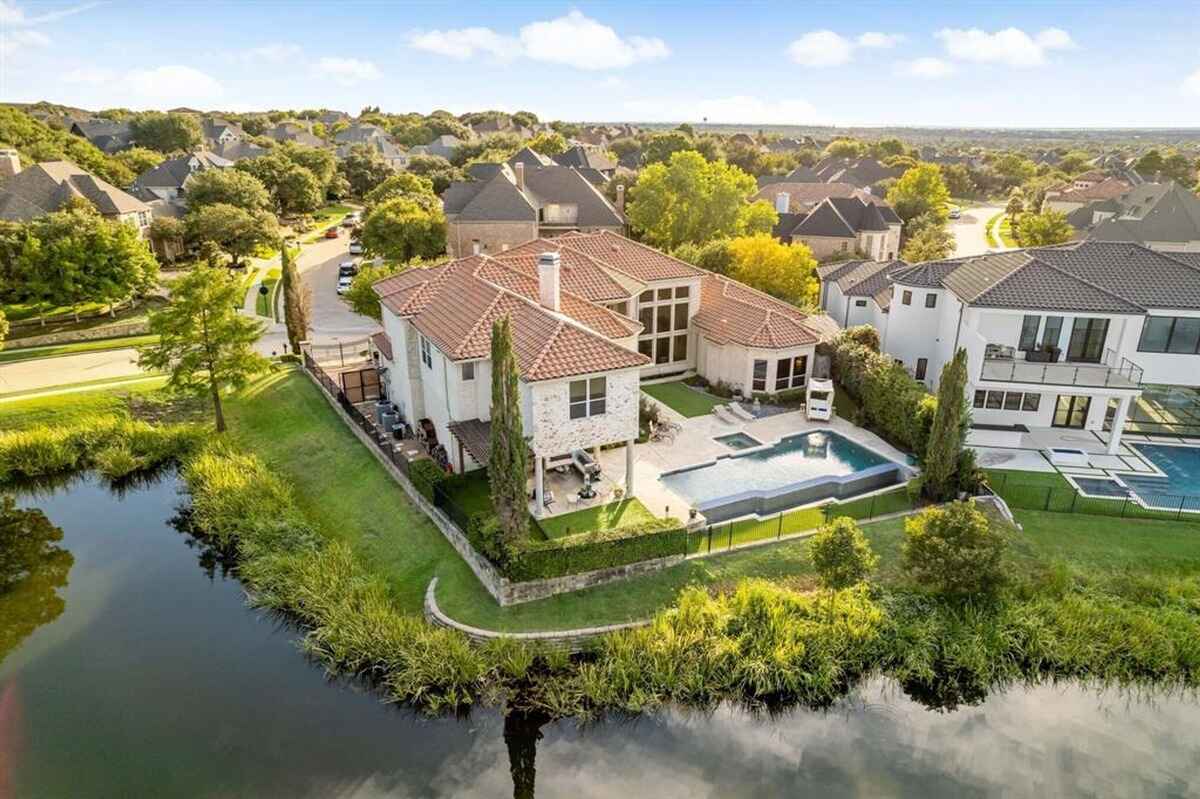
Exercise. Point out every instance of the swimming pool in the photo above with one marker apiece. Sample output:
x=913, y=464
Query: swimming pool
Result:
x=794, y=471
x=1180, y=488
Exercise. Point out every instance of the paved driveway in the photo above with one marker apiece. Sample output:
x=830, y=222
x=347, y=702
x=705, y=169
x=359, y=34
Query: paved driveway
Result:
x=970, y=236
x=332, y=318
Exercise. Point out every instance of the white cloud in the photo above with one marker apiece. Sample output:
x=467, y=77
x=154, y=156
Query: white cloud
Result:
x=274, y=53
x=1191, y=85
x=574, y=40
x=821, y=49
x=346, y=71
x=174, y=84
x=13, y=16
x=1011, y=46
x=927, y=68
x=13, y=41
x=466, y=42
x=825, y=48
x=879, y=40
x=743, y=109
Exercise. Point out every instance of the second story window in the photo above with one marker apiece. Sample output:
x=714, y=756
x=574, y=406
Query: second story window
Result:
x=588, y=397
x=1170, y=334
x=931, y=300
x=664, y=316
x=426, y=353
x=468, y=371
x=906, y=297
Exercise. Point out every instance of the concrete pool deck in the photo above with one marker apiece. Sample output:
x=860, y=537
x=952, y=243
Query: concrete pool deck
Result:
x=695, y=444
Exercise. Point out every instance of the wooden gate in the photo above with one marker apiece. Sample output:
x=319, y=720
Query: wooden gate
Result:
x=361, y=385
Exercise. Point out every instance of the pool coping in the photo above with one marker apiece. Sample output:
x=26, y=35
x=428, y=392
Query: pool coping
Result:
x=1117, y=475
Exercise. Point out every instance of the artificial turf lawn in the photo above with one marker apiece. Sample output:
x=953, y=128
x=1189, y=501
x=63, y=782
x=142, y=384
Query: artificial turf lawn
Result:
x=683, y=399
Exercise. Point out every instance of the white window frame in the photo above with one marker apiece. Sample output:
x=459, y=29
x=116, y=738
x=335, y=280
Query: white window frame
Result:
x=594, y=401
x=426, y=351
x=468, y=371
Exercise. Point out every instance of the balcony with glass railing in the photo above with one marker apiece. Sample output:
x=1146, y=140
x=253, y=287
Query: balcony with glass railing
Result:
x=1005, y=365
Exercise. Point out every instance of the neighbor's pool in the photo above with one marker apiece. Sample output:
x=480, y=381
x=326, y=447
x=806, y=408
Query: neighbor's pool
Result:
x=1180, y=489
x=795, y=459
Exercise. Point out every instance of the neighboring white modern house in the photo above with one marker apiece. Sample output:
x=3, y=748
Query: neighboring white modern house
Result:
x=1064, y=336
x=858, y=292
x=592, y=314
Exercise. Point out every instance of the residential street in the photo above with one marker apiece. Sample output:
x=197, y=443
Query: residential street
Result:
x=32, y=375
x=332, y=319
x=970, y=236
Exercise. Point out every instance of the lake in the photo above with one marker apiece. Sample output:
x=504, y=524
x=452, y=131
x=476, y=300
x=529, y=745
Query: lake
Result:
x=132, y=667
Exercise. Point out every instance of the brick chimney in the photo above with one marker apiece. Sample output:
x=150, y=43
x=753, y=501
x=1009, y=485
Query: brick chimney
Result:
x=10, y=164
x=782, y=201
x=548, y=280
x=519, y=171
x=621, y=197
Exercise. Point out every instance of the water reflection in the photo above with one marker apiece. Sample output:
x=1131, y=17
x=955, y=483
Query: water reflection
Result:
x=33, y=569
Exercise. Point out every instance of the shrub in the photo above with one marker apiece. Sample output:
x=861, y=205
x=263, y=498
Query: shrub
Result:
x=601, y=549
x=862, y=335
x=890, y=401
x=425, y=475
x=840, y=554
x=953, y=550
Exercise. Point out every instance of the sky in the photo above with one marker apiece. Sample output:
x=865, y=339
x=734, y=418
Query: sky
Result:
x=995, y=64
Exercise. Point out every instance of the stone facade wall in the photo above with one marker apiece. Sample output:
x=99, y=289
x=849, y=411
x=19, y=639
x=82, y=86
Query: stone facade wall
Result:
x=828, y=246
x=556, y=433
x=494, y=237
x=577, y=640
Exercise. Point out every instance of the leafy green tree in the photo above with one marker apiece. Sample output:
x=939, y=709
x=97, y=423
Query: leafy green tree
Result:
x=297, y=300
x=549, y=143
x=693, y=200
x=845, y=148
x=168, y=233
x=526, y=119
x=841, y=556
x=715, y=256
x=1014, y=169
x=1074, y=162
x=234, y=187
x=1015, y=206
x=166, y=133
x=954, y=550
x=404, y=228
x=412, y=134
x=930, y=242
x=626, y=145
x=660, y=147
x=364, y=169
x=786, y=271
x=887, y=148
x=237, y=232
x=492, y=149
x=506, y=459
x=205, y=346
x=948, y=435
x=1150, y=163
x=35, y=141
x=921, y=191
x=139, y=159
x=1048, y=227
x=401, y=184
x=298, y=191
x=361, y=296
x=320, y=162
x=439, y=171
x=959, y=180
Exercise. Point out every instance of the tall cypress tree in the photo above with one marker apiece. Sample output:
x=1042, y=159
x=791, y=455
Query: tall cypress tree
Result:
x=507, y=461
x=948, y=434
x=295, y=302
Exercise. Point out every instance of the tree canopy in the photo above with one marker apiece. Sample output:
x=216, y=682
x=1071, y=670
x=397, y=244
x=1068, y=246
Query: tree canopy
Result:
x=237, y=232
x=35, y=141
x=165, y=132
x=920, y=191
x=786, y=271
x=205, y=346
x=1048, y=227
x=929, y=241
x=953, y=550
x=404, y=228
x=691, y=200
x=228, y=186
x=363, y=169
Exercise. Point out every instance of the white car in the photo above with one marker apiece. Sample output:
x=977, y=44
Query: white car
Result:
x=356, y=248
x=955, y=212
x=344, y=283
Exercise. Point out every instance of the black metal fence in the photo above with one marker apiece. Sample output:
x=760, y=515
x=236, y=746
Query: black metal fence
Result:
x=341, y=353
x=1065, y=499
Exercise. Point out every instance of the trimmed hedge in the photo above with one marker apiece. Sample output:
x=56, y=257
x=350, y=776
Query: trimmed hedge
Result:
x=599, y=550
x=425, y=475
x=892, y=403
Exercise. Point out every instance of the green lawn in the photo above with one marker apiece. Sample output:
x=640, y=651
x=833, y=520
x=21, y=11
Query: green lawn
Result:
x=154, y=380
x=344, y=490
x=263, y=302
x=683, y=399
x=987, y=230
x=614, y=515
x=18, y=414
x=470, y=491
x=22, y=311
x=99, y=345
x=1006, y=234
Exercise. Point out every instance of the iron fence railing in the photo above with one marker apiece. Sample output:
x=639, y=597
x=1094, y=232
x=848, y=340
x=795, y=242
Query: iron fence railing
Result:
x=1061, y=499
x=1114, y=372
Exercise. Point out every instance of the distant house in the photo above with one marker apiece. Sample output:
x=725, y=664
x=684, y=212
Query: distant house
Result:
x=800, y=174
x=360, y=133
x=501, y=125
x=443, y=146
x=168, y=180
x=217, y=131
x=108, y=136
x=239, y=150
x=328, y=118
x=382, y=146
x=1161, y=216
x=865, y=173
x=44, y=188
x=788, y=145
x=1085, y=189
x=834, y=219
x=294, y=132
x=592, y=163
x=858, y=292
x=518, y=202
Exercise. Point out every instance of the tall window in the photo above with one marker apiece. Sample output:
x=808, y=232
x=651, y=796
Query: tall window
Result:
x=1087, y=340
x=426, y=353
x=1029, y=330
x=468, y=371
x=922, y=368
x=931, y=300
x=791, y=372
x=587, y=397
x=906, y=297
x=664, y=317
x=1180, y=335
x=759, y=383
x=1052, y=332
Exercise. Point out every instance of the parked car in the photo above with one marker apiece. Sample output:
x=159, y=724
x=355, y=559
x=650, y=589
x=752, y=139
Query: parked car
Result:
x=347, y=268
x=343, y=284
x=955, y=212
x=356, y=248
x=331, y=233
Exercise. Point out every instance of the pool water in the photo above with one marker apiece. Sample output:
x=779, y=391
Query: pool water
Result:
x=1101, y=487
x=738, y=441
x=1181, y=486
x=792, y=460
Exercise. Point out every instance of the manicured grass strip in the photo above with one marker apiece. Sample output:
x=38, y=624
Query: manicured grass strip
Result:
x=22, y=311
x=471, y=492
x=262, y=303
x=683, y=399
x=69, y=408
x=74, y=348
x=614, y=515
x=987, y=230
x=1006, y=234
x=344, y=490
x=157, y=379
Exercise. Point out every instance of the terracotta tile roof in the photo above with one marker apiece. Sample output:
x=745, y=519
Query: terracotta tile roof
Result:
x=581, y=273
x=625, y=255
x=733, y=313
x=383, y=344
x=1106, y=189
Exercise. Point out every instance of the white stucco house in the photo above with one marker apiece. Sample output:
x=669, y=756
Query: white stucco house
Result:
x=593, y=314
x=1056, y=337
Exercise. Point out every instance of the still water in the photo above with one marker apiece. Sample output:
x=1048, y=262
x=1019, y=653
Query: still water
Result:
x=132, y=668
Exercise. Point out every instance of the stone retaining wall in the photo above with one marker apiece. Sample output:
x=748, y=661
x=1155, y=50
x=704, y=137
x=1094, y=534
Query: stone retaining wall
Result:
x=577, y=640
x=90, y=334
